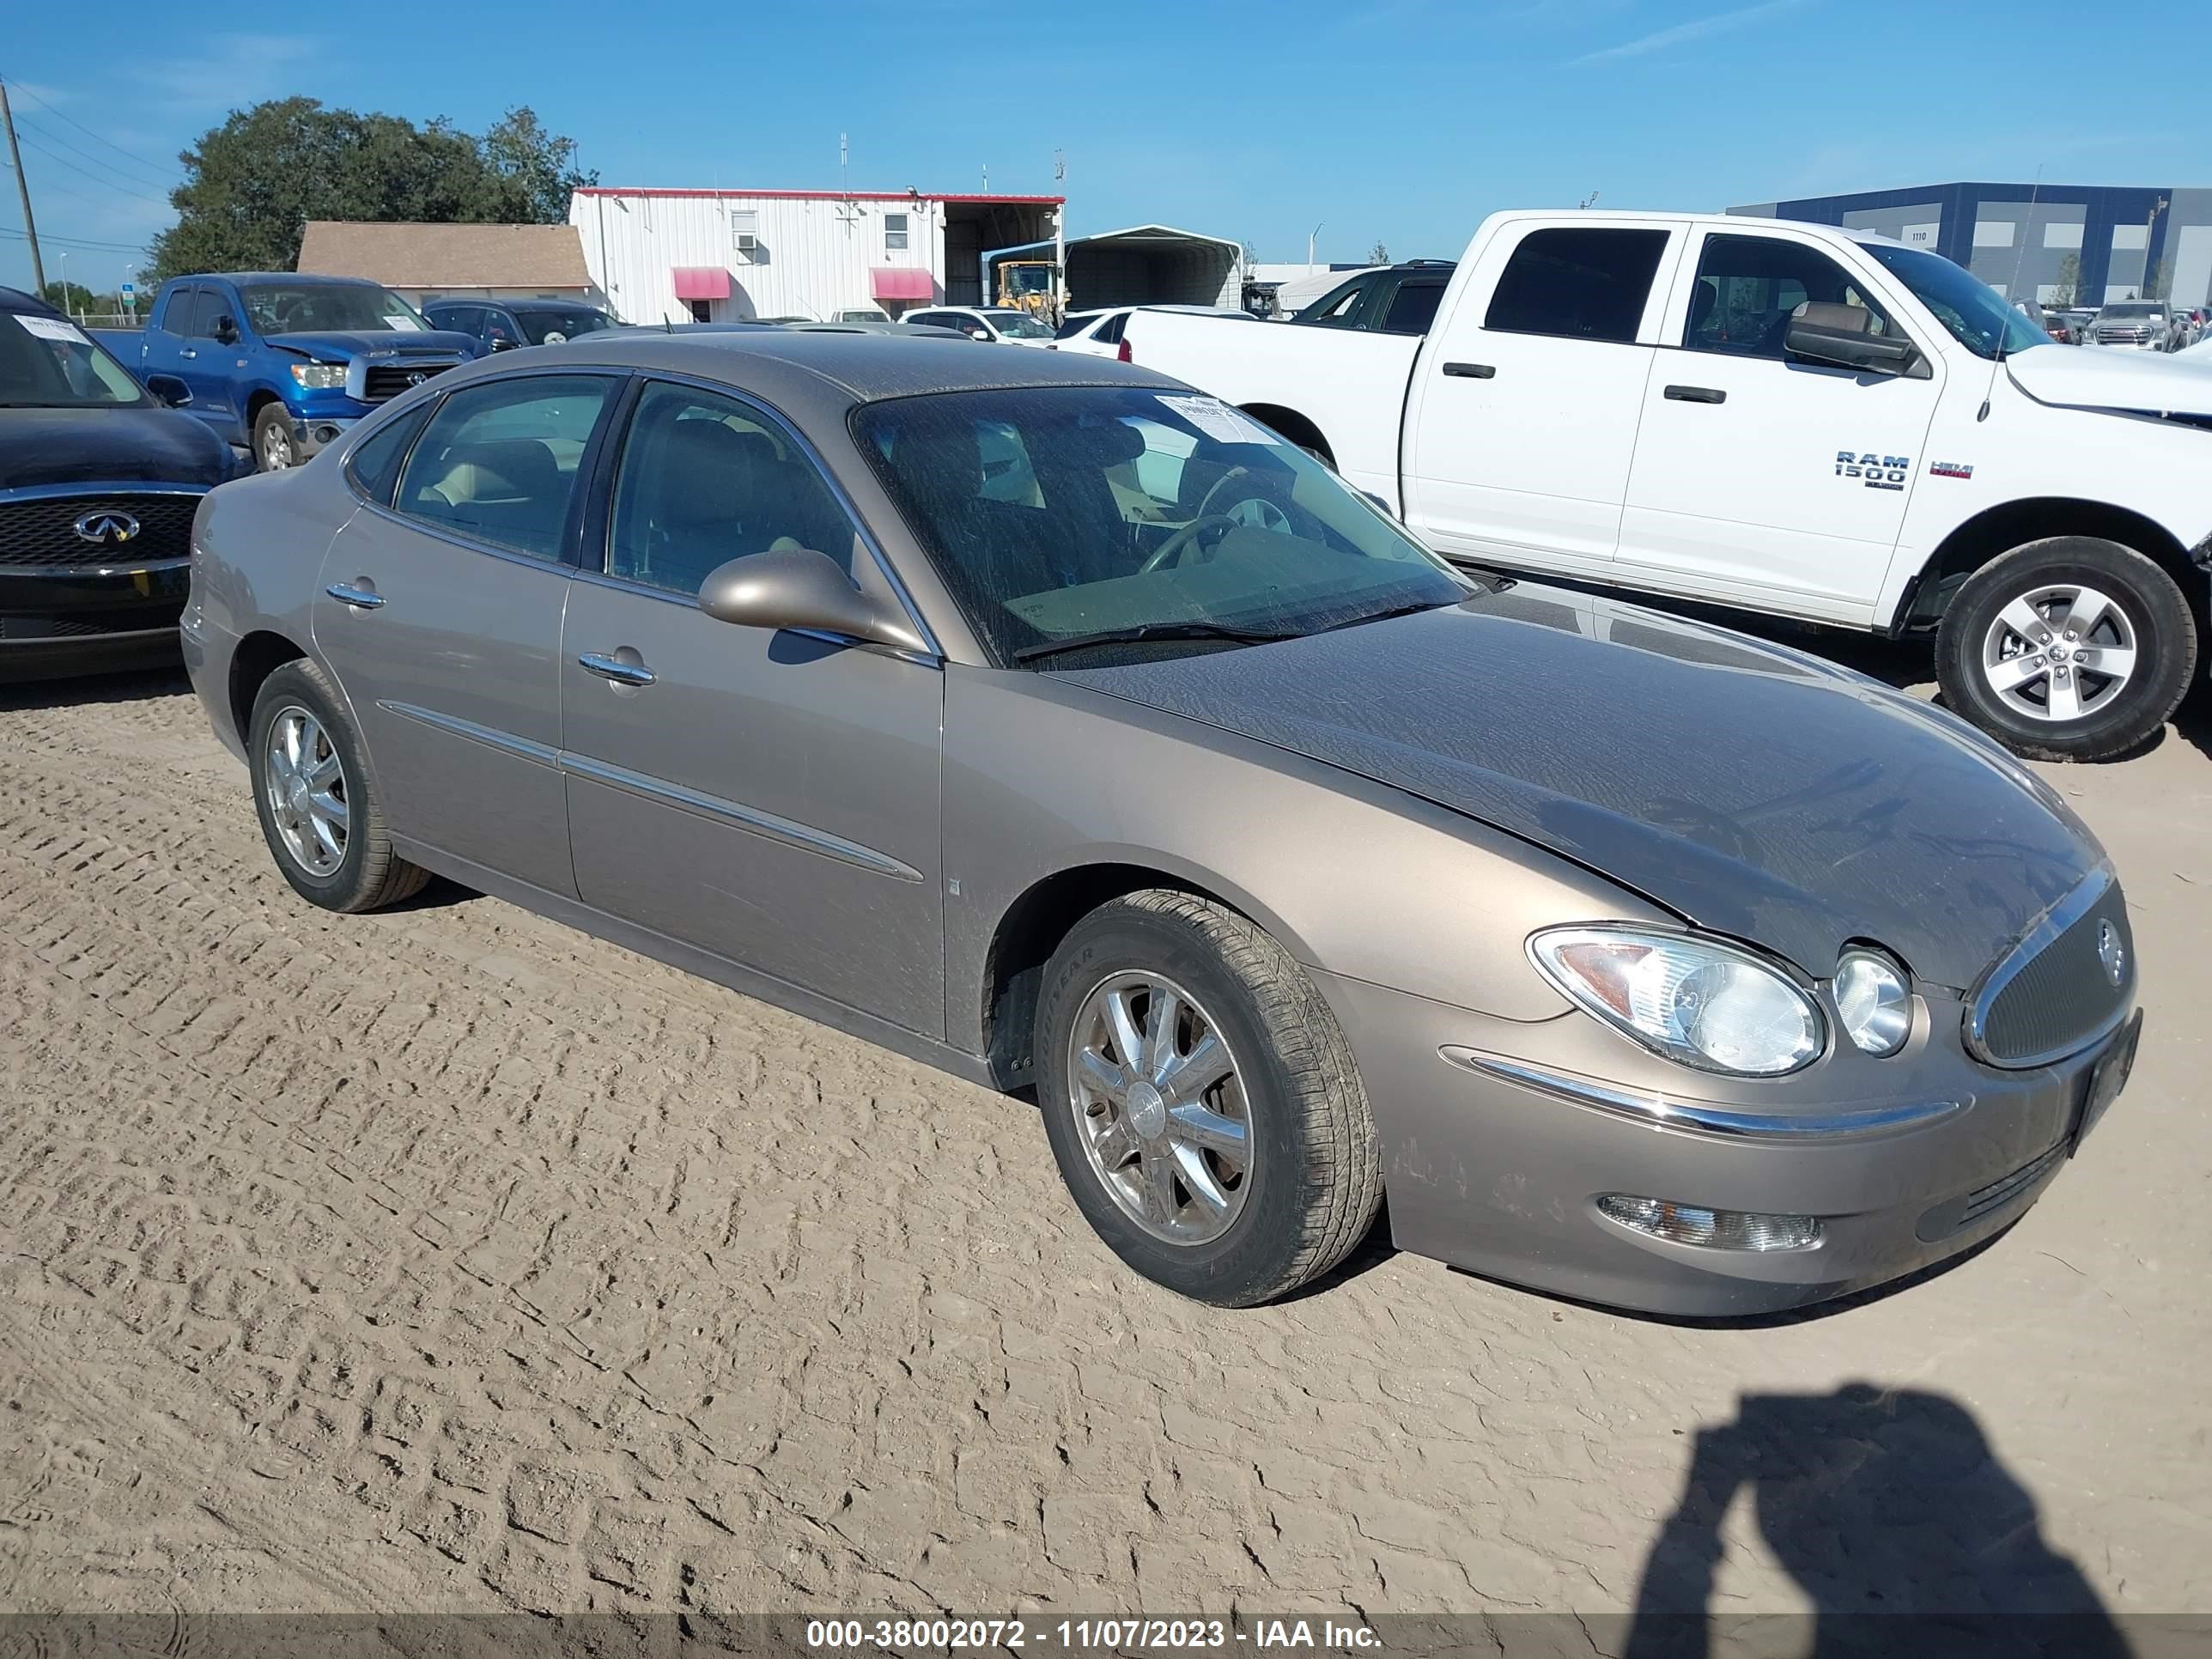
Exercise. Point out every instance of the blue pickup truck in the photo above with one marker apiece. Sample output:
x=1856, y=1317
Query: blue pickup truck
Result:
x=282, y=364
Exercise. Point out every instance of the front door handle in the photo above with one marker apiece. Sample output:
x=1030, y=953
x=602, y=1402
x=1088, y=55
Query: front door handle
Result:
x=613, y=668
x=1472, y=371
x=1697, y=394
x=188, y=352
x=361, y=599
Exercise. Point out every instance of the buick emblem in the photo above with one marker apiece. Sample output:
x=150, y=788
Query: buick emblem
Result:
x=106, y=529
x=2112, y=953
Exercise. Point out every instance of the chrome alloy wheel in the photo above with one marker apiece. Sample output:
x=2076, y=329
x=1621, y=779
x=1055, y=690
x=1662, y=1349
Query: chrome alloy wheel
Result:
x=305, y=784
x=2059, y=652
x=276, y=448
x=1160, y=1108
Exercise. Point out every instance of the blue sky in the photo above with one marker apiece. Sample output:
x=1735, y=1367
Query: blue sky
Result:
x=1398, y=121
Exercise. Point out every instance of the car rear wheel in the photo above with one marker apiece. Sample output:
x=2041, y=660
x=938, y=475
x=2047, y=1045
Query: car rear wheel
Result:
x=273, y=448
x=1200, y=1101
x=2072, y=648
x=316, y=803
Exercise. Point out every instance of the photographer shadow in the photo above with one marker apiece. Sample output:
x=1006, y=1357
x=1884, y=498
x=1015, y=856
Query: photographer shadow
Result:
x=1896, y=1519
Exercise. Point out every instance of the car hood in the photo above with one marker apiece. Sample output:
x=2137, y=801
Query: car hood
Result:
x=109, y=445
x=1753, y=790
x=377, y=342
x=2076, y=377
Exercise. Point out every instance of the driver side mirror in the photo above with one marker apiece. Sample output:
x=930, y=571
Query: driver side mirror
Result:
x=978, y=333
x=1841, y=336
x=168, y=391
x=225, y=330
x=798, y=588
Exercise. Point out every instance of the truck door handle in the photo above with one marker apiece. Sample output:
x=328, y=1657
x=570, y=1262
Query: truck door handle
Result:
x=1472, y=371
x=613, y=668
x=188, y=352
x=361, y=599
x=1697, y=394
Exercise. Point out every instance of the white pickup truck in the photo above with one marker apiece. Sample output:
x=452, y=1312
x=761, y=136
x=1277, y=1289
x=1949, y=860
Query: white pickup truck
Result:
x=1785, y=418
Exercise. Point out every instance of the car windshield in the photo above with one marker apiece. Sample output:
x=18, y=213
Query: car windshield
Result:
x=2134, y=308
x=1976, y=315
x=321, y=307
x=1058, y=514
x=565, y=324
x=48, y=363
x=1018, y=326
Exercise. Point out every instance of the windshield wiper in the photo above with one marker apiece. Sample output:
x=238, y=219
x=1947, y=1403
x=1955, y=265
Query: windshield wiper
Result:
x=1142, y=631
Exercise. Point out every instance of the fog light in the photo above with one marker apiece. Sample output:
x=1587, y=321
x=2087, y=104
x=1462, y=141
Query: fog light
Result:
x=1712, y=1229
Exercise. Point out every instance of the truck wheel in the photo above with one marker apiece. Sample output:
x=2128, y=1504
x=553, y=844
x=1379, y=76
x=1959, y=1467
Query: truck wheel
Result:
x=2072, y=648
x=1202, y=1102
x=273, y=450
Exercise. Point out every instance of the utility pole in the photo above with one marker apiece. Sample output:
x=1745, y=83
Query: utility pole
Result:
x=23, y=189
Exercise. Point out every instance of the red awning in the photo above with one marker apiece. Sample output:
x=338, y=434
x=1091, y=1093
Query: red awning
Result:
x=902, y=282
x=701, y=282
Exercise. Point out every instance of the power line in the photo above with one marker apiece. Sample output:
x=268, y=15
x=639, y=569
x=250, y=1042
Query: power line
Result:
x=103, y=183
x=76, y=149
x=74, y=242
x=153, y=166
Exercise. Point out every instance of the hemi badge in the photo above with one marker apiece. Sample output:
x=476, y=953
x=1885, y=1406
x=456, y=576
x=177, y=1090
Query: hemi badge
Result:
x=1949, y=470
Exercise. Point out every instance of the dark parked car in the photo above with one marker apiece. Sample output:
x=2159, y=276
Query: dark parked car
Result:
x=1399, y=299
x=98, y=485
x=504, y=325
x=1042, y=718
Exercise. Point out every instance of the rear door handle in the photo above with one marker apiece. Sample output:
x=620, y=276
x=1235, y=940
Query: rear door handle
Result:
x=613, y=668
x=1697, y=394
x=361, y=598
x=1472, y=371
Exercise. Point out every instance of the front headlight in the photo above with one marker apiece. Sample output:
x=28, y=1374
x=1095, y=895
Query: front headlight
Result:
x=1874, y=1001
x=1695, y=1000
x=319, y=377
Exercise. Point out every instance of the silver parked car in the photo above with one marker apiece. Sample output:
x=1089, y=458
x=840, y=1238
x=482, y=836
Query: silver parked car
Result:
x=1040, y=717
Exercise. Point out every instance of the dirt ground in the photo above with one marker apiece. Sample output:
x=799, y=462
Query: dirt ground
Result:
x=447, y=1260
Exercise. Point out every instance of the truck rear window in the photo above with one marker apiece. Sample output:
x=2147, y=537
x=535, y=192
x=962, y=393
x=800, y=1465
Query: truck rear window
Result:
x=1580, y=284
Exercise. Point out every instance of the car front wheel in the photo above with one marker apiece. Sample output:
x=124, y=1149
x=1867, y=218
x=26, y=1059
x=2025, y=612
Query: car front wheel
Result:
x=2071, y=648
x=1200, y=1101
x=316, y=801
x=273, y=448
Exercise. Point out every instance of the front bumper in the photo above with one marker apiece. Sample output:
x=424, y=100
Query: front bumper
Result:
x=1500, y=1174
x=64, y=620
x=314, y=433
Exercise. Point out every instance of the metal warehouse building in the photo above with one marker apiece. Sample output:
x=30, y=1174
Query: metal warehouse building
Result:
x=726, y=255
x=2123, y=241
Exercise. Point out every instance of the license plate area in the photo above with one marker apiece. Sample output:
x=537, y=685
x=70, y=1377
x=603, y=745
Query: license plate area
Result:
x=2107, y=1078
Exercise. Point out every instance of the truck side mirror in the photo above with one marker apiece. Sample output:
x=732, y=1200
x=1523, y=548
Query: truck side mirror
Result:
x=226, y=330
x=168, y=391
x=1842, y=335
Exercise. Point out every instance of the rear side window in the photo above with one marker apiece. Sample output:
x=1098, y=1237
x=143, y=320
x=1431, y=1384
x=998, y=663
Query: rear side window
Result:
x=1414, y=308
x=498, y=461
x=375, y=464
x=1578, y=284
x=1339, y=308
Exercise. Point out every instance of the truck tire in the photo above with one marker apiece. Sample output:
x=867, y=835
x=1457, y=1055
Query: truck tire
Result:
x=273, y=448
x=1200, y=1101
x=2071, y=648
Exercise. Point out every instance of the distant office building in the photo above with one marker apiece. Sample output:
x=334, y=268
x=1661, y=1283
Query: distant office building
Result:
x=2121, y=239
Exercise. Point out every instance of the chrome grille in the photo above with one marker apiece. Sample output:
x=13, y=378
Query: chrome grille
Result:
x=42, y=532
x=2054, y=993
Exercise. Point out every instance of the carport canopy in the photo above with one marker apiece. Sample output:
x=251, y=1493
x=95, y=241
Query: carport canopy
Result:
x=1143, y=265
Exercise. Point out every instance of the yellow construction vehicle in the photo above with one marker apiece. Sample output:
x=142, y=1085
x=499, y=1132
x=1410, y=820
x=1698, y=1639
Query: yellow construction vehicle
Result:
x=1030, y=285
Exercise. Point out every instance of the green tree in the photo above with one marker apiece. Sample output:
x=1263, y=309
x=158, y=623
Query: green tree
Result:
x=2066, y=291
x=1378, y=255
x=252, y=183
x=75, y=298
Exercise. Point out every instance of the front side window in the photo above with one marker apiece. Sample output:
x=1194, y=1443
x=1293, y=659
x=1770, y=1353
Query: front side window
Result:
x=1971, y=311
x=1339, y=308
x=47, y=362
x=181, y=315
x=550, y=326
x=1749, y=286
x=314, y=307
x=498, y=462
x=1081, y=322
x=1578, y=284
x=1017, y=325
x=1055, y=514
x=705, y=479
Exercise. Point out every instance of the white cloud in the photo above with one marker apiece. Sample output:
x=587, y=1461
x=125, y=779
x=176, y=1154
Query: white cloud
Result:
x=1701, y=28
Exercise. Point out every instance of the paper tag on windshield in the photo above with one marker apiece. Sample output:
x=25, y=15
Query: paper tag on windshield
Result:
x=408, y=324
x=1217, y=420
x=52, y=328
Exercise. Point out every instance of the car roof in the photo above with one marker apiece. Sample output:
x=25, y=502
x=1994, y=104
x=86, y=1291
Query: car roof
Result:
x=303, y=279
x=13, y=299
x=822, y=373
